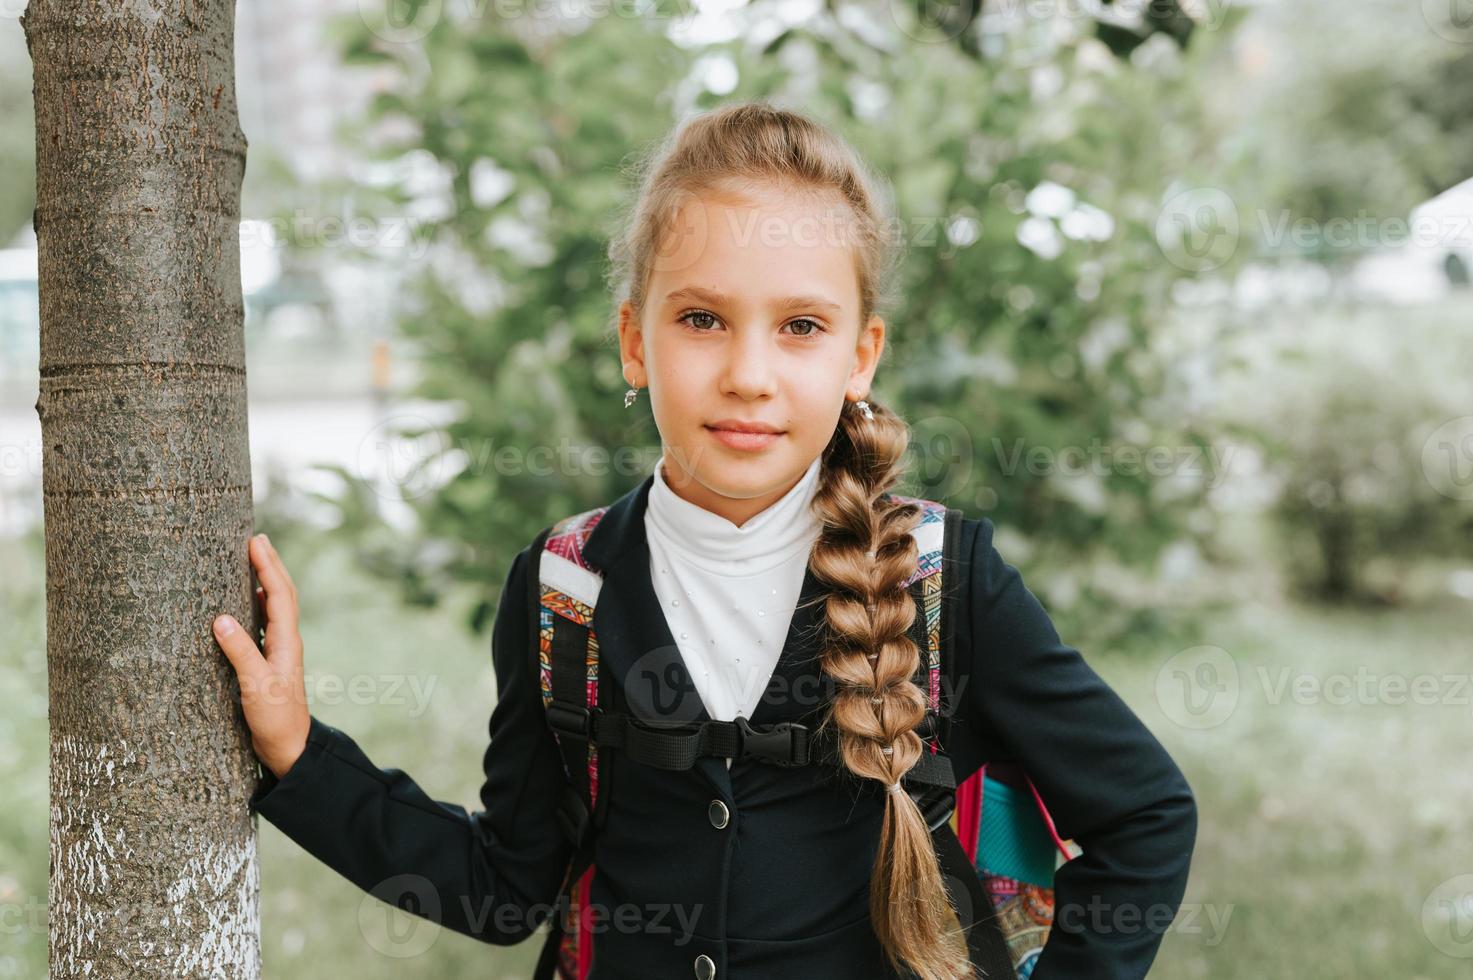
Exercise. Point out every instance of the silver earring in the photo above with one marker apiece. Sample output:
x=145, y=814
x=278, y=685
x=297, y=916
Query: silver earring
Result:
x=864, y=408
x=629, y=396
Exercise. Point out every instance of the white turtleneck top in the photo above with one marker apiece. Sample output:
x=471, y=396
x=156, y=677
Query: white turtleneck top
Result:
x=729, y=592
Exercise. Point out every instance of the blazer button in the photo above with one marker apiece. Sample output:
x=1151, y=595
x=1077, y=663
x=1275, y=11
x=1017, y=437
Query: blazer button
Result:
x=719, y=816
x=705, y=968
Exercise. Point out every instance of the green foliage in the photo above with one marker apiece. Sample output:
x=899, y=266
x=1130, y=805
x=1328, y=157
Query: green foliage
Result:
x=995, y=347
x=23, y=761
x=1352, y=423
x=17, y=132
x=1334, y=132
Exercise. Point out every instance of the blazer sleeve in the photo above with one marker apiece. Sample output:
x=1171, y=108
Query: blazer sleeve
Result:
x=1108, y=783
x=483, y=874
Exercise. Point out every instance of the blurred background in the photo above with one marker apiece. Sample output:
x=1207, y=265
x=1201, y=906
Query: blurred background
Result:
x=1185, y=310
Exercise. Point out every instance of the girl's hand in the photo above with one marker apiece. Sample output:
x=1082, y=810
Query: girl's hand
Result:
x=272, y=691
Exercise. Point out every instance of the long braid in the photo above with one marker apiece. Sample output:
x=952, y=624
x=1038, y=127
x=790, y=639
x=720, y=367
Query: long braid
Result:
x=872, y=659
x=868, y=615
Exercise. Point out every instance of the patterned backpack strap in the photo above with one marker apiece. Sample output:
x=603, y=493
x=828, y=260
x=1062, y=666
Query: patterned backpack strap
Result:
x=567, y=589
x=931, y=781
x=935, y=536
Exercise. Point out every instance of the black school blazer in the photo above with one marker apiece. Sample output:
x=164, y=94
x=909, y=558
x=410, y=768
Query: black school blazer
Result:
x=778, y=890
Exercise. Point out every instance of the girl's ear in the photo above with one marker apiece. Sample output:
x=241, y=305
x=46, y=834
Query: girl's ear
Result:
x=867, y=353
x=631, y=345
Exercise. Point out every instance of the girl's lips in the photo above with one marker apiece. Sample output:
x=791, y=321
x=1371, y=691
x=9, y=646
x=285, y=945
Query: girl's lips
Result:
x=745, y=440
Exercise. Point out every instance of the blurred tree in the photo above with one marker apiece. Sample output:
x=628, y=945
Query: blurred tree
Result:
x=1336, y=139
x=147, y=489
x=1367, y=443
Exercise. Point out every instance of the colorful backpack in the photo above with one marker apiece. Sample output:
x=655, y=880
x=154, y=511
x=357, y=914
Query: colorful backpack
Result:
x=994, y=837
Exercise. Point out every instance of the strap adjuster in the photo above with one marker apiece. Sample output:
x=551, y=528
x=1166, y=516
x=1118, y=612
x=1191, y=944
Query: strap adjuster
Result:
x=576, y=720
x=936, y=809
x=783, y=744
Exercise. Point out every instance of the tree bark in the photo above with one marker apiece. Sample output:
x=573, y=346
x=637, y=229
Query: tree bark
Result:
x=146, y=485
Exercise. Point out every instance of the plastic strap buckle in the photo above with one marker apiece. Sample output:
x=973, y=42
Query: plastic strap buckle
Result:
x=572, y=719
x=782, y=744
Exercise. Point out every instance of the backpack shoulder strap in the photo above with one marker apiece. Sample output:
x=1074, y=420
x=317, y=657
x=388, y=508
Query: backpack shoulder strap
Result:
x=563, y=594
x=568, y=587
x=934, y=585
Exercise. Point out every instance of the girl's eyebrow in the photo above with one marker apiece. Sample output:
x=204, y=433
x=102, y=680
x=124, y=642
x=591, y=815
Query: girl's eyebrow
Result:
x=784, y=303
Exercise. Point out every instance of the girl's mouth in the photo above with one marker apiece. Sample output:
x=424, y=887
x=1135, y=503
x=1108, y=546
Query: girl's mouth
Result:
x=745, y=440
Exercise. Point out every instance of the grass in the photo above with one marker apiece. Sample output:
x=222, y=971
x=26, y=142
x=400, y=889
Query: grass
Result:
x=1325, y=828
x=1328, y=819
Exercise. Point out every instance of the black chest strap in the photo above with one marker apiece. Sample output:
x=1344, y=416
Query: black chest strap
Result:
x=676, y=747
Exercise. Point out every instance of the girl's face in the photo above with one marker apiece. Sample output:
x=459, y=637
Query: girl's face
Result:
x=752, y=319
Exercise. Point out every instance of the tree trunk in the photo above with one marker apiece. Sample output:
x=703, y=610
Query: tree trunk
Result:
x=147, y=489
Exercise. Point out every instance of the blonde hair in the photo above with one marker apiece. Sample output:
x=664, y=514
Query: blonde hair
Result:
x=865, y=551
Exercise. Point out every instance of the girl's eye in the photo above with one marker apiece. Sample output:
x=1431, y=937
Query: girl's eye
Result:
x=687, y=318
x=817, y=328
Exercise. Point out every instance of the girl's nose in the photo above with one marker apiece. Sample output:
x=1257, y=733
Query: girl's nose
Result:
x=751, y=365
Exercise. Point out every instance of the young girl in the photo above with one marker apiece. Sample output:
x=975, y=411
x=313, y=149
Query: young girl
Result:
x=752, y=269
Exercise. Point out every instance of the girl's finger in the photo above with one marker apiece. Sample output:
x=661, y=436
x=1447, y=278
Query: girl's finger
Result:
x=280, y=596
x=280, y=565
x=239, y=648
